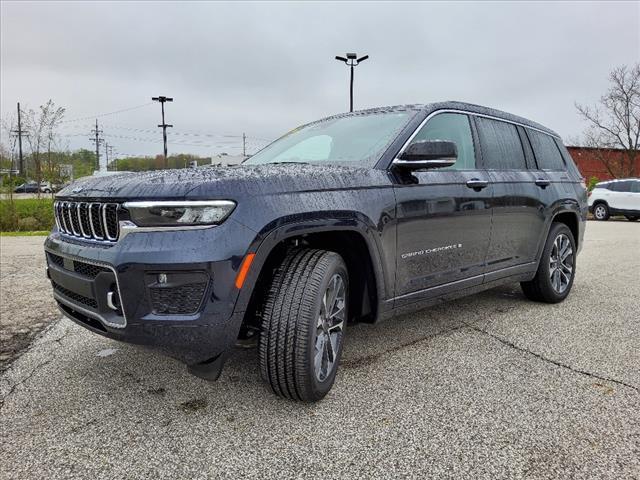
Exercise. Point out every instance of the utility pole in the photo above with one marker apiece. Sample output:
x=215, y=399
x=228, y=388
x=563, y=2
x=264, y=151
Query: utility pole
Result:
x=107, y=150
x=352, y=61
x=97, y=132
x=244, y=145
x=110, y=155
x=162, y=100
x=19, y=132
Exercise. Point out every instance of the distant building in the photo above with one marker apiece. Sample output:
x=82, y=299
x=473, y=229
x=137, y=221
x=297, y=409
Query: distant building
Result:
x=225, y=160
x=590, y=164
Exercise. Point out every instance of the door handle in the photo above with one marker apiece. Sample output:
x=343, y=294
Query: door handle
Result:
x=543, y=182
x=477, y=184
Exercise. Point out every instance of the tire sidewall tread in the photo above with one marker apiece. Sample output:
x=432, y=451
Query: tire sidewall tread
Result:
x=289, y=322
x=540, y=289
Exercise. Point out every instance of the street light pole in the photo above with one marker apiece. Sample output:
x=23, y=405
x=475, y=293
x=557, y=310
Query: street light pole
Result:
x=352, y=61
x=162, y=100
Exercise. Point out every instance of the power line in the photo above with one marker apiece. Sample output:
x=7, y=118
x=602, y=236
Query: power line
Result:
x=178, y=133
x=99, y=115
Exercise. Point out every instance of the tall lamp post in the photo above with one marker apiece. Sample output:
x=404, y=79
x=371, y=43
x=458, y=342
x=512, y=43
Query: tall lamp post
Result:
x=164, y=126
x=352, y=61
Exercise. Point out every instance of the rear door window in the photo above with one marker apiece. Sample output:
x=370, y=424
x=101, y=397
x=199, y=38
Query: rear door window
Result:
x=452, y=127
x=545, y=150
x=635, y=187
x=500, y=145
x=622, y=186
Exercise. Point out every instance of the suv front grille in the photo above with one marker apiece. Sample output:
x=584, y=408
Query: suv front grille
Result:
x=89, y=220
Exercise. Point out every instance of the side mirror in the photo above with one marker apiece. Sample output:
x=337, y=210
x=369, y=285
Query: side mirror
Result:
x=425, y=154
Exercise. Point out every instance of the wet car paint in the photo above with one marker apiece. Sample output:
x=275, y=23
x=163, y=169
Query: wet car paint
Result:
x=482, y=234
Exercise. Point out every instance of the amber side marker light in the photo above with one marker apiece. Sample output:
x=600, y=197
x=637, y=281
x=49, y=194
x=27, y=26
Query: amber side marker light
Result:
x=244, y=269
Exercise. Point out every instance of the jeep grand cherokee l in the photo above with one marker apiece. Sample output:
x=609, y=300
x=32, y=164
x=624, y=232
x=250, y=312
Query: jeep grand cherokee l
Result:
x=357, y=217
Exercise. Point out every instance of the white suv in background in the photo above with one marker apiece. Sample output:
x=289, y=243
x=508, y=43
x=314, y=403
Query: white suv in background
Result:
x=616, y=197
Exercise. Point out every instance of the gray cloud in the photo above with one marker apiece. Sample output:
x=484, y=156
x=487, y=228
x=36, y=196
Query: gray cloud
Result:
x=263, y=68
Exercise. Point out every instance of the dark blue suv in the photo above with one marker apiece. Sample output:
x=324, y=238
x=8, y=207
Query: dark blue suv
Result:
x=354, y=218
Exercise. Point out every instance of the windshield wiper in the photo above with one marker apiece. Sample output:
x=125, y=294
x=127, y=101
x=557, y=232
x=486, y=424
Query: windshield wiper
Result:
x=287, y=163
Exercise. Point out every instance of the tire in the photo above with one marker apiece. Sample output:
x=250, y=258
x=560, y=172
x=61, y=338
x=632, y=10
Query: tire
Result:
x=601, y=211
x=291, y=337
x=631, y=218
x=46, y=190
x=544, y=287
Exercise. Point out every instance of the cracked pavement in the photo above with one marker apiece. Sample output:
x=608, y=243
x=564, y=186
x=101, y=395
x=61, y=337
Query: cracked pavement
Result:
x=488, y=386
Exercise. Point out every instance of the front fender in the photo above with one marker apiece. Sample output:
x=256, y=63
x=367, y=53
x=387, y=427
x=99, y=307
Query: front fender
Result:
x=292, y=226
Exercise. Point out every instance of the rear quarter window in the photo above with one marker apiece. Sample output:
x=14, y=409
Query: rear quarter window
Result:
x=624, y=186
x=500, y=145
x=635, y=187
x=545, y=150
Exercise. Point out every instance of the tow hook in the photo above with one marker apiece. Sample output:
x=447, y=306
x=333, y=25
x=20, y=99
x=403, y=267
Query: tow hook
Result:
x=110, y=303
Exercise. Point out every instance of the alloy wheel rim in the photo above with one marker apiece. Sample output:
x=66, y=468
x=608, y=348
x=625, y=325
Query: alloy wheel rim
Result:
x=561, y=263
x=329, y=327
x=599, y=211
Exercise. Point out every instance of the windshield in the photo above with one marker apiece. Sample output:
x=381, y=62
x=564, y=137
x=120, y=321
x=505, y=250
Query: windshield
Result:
x=358, y=139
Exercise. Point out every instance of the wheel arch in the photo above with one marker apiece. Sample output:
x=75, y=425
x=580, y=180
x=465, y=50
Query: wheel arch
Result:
x=572, y=220
x=352, y=239
x=569, y=214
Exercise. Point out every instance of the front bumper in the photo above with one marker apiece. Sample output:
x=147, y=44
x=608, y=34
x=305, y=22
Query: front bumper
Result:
x=171, y=291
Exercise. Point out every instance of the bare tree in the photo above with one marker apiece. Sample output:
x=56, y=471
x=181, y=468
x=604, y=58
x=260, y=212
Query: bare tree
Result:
x=41, y=125
x=614, y=123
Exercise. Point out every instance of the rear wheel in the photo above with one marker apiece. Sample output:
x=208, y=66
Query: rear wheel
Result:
x=631, y=218
x=601, y=211
x=303, y=324
x=554, y=278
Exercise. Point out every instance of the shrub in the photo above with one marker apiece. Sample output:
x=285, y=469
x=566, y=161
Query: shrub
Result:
x=26, y=214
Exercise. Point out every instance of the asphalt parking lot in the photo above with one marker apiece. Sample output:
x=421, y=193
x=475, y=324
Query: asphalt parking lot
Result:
x=490, y=386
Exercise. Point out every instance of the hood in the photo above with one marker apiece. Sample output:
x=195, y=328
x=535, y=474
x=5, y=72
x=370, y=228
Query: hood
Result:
x=222, y=182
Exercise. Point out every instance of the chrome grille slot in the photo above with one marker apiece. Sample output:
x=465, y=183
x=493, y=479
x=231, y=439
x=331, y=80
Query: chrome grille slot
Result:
x=110, y=216
x=83, y=217
x=73, y=218
x=95, y=217
x=91, y=221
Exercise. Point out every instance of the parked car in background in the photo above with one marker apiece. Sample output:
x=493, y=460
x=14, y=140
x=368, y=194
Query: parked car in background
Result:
x=46, y=187
x=355, y=218
x=616, y=197
x=32, y=187
x=28, y=187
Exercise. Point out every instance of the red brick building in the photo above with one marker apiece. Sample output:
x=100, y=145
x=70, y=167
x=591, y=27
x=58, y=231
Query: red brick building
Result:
x=590, y=165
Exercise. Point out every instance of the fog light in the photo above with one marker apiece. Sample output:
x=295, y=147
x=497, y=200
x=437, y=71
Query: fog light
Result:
x=162, y=278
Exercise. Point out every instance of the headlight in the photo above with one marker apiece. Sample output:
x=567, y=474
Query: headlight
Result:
x=179, y=213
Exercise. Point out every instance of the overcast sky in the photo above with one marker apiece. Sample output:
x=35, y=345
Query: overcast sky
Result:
x=263, y=68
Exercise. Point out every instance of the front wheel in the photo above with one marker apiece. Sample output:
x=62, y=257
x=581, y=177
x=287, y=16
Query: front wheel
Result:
x=557, y=268
x=601, y=212
x=303, y=324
